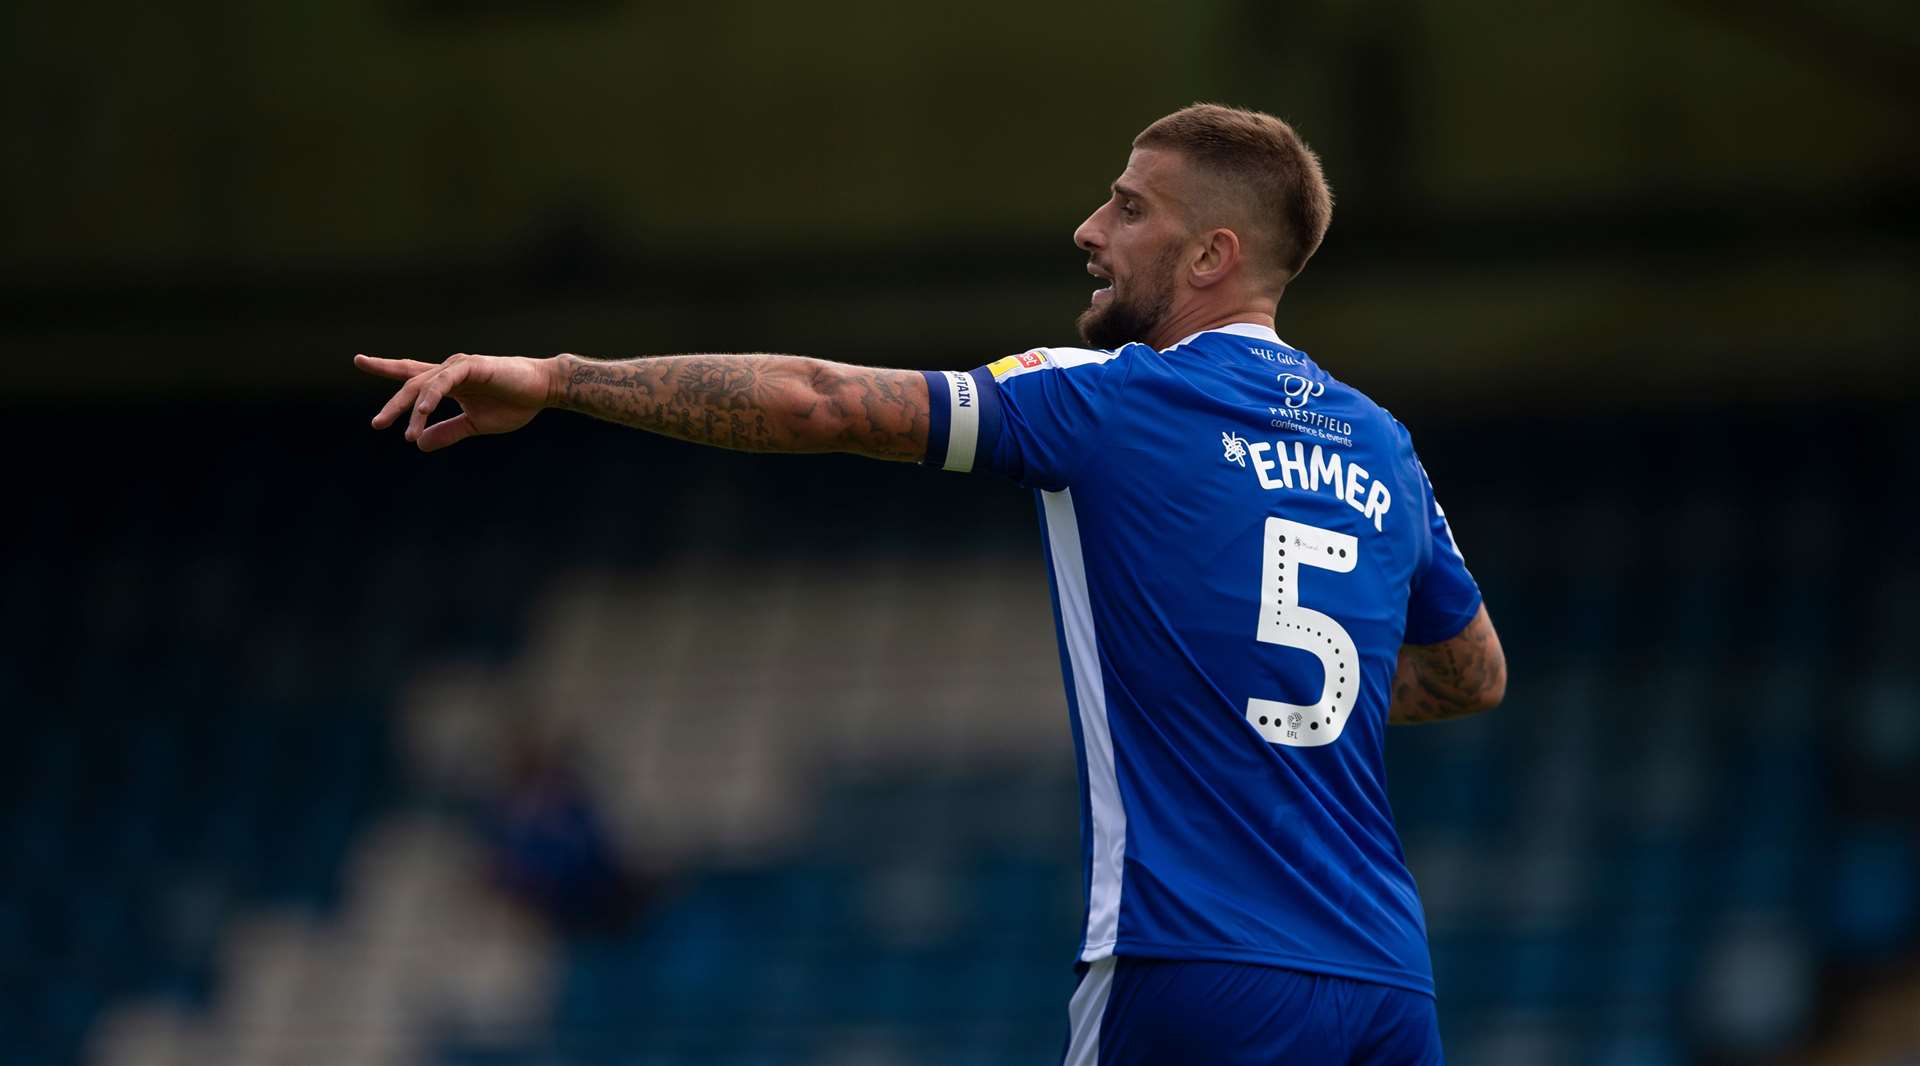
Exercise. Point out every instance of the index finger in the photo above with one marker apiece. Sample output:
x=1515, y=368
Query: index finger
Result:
x=398, y=369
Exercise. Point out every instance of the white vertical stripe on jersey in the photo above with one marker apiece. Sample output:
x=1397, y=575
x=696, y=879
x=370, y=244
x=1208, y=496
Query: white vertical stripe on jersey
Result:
x=963, y=421
x=1084, y=1011
x=1090, y=693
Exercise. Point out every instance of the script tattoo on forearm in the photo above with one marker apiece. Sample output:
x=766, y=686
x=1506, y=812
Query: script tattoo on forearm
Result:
x=758, y=403
x=1435, y=682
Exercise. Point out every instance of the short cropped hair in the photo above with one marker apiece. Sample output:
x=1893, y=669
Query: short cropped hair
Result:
x=1265, y=157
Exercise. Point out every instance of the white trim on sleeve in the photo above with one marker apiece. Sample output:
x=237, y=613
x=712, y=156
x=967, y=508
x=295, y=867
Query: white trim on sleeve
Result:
x=1027, y=362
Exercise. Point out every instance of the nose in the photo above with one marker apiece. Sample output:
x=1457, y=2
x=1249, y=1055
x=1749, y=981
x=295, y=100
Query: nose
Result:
x=1087, y=236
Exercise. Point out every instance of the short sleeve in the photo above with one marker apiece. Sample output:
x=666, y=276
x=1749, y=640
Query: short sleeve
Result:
x=1444, y=597
x=1033, y=417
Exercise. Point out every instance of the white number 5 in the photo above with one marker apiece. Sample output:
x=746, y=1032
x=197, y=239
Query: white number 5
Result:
x=1290, y=546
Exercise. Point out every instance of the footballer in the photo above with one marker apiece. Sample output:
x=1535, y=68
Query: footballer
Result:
x=1251, y=580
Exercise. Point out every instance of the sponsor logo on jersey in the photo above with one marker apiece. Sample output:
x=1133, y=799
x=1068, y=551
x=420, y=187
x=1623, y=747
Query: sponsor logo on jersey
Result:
x=1313, y=424
x=1299, y=390
x=1000, y=368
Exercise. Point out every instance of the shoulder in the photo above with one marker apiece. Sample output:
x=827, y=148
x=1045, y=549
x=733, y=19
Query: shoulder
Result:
x=1035, y=360
x=1397, y=432
x=1365, y=409
x=1383, y=438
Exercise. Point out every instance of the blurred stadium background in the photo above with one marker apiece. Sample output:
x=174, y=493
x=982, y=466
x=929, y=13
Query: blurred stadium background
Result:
x=581, y=747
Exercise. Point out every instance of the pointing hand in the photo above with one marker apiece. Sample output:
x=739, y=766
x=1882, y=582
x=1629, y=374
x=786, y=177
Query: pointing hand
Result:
x=496, y=394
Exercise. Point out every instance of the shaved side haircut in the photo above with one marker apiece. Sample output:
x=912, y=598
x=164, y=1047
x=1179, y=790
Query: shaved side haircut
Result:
x=1259, y=161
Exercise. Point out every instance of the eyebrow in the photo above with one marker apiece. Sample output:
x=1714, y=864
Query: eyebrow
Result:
x=1127, y=191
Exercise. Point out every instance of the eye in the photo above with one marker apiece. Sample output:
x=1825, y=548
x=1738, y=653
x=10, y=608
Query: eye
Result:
x=1129, y=209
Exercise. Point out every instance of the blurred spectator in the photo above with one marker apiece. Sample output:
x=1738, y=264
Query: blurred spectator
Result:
x=549, y=845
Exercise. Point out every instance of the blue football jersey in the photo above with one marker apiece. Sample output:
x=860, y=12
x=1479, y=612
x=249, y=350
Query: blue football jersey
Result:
x=1239, y=544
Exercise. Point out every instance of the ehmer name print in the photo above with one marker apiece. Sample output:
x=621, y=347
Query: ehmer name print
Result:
x=1319, y=470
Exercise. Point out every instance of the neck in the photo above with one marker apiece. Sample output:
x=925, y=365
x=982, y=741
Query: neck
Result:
x=1200, y=319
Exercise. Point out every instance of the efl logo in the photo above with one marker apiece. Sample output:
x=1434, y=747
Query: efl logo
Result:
x=1299, y=390
x=1030, y=359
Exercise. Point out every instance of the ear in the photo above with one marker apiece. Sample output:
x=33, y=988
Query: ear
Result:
x=1216, y=260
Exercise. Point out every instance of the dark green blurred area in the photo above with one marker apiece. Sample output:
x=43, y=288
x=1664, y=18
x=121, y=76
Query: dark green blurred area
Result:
x=1624, y=203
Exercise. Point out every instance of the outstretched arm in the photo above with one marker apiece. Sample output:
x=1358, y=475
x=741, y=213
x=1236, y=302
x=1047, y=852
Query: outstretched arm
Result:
x=761, y=403
x=1464, y=675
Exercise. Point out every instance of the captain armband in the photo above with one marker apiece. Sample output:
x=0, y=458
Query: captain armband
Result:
x=964, y=418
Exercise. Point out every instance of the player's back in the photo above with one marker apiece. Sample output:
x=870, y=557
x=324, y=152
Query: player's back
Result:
x=1236, y=538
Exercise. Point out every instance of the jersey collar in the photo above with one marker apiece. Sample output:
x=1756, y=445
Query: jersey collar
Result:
x=1238, y=329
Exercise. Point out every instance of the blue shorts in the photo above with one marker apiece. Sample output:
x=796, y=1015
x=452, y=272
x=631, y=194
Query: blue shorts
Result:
x=1154, y=1012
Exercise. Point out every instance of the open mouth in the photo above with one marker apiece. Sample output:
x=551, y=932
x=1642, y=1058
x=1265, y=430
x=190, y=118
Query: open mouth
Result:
x=1104, y=291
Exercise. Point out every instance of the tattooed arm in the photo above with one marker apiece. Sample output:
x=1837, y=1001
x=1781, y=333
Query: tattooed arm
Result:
x=760, y=403
x=756, y=403
x=1457, y=677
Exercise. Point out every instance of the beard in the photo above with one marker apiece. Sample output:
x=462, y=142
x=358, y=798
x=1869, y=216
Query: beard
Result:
x=1134, y=313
